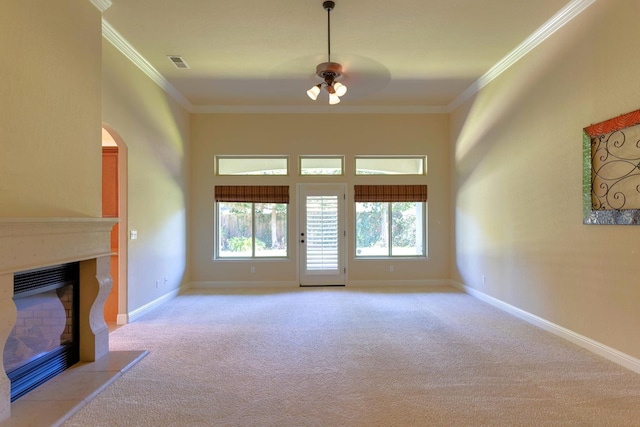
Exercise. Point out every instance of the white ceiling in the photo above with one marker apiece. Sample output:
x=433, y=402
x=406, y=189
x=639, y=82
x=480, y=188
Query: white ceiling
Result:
x=417, y=55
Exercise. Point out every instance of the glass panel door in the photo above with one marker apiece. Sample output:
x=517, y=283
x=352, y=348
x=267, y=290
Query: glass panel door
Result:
x=322, y=235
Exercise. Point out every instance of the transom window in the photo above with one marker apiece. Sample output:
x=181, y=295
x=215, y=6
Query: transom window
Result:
x=252, y=221
x=321, y=165
x=390, y=220
x=391, y=165
x=252, y=165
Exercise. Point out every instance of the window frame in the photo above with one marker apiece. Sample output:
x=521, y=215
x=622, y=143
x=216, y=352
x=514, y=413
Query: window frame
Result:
x=389, y=194
x=252, y=195
x=303, y=157
x=390, y=224
x=422, y=158
x=217, y=158
x=253, y=255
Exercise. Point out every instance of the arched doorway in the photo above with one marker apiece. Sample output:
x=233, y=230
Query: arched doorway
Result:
x=114, y=204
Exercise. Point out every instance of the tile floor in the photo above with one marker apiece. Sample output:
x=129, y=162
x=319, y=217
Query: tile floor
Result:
x=55, y=401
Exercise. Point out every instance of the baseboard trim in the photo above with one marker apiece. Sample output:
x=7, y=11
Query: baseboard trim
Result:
x=241, y=285
x=396, y=283
x=292, y=284
x=139, y=312
x=122, y=319
x=593, y=346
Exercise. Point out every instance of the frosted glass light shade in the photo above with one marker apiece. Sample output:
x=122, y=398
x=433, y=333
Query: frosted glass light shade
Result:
x=333, y=98
x=313, y=92
x=340, y=88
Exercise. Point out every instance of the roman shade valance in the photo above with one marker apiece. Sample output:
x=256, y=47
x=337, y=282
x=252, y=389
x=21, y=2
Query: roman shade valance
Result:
x=252, y=193
x=390, y=193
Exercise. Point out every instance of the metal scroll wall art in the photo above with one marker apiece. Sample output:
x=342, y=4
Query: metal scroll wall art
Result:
x=611, y=171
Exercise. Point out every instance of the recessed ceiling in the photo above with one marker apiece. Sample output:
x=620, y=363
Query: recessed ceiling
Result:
x=250, y=53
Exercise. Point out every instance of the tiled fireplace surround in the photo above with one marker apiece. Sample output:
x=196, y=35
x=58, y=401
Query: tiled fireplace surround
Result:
x=31, y=243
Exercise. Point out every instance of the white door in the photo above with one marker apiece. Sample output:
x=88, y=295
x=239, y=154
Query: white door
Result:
x=322, y=235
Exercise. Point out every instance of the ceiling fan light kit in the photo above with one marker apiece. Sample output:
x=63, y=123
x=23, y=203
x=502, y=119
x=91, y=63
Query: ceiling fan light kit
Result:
x=328, y=71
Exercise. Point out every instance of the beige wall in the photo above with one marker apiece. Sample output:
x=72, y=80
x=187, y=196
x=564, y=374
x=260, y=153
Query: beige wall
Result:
x=515, y=161
x=329, y=134
x=155, y=130
x=50, y=86
x=517, y=195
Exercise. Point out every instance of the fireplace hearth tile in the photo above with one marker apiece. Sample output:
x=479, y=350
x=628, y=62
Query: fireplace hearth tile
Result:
x=58, y=399
x=117, y=361
x=76, y=385
x=45, y=413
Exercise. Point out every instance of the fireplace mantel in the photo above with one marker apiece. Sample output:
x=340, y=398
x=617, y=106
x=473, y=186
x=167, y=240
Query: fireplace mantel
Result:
x=29, y=243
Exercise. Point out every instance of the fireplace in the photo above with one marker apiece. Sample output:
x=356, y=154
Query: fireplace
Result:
x=44, y=341
x=30, y=245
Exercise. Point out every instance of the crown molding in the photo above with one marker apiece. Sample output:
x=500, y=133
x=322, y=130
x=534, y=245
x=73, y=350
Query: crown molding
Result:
x=120, y=43
x=566, y=14
x=102, y=5
x=318, y=109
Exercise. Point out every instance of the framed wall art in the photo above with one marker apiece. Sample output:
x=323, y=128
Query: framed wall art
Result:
x=611, y=171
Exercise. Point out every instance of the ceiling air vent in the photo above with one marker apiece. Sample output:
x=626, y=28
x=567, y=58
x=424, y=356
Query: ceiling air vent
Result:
x=178, y=61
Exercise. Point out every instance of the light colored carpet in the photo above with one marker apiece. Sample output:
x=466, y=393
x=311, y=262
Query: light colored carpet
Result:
x=341, y=357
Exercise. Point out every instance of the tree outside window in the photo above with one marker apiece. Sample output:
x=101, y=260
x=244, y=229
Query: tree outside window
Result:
x=390, y=229
x=252, y=230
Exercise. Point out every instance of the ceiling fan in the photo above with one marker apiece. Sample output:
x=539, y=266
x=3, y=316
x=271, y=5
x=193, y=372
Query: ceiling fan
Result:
x=329, y=71
x=364, y=76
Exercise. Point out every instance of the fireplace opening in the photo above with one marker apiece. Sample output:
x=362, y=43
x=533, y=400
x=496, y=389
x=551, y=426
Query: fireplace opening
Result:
x=45, y=340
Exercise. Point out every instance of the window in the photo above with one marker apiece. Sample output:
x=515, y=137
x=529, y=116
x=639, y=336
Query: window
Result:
x=252, y=165
x=390, y=220
x=252, y=221
x=316, y=165
x=395, y=165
